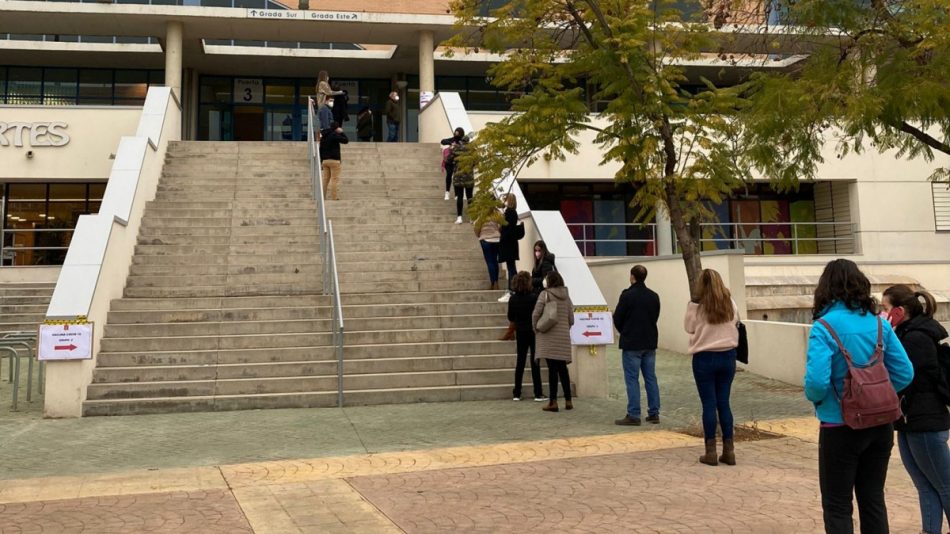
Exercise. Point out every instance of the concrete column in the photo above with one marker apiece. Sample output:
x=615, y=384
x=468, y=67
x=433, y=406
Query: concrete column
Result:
x=173, y=54
x=589, y=371
x=426, y=66
x=664, y=231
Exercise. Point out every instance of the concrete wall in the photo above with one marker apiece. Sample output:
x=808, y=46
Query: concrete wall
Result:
x=777, y=350
x=100, y=253
x=931, y=274
x=29, y=274
x=94, y=134
x=667, y=276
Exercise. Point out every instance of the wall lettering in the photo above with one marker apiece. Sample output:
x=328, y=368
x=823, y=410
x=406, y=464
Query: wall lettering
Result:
x=40, y=134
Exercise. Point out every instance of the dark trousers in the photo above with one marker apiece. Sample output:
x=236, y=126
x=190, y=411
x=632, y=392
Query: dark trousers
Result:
x=366, y=139
x=714, y=372
x=490, y=252
x=557, y=369
x=525, y=341
x=449, y=169
x=510, y=267
x=854, y=462
x=460, y=192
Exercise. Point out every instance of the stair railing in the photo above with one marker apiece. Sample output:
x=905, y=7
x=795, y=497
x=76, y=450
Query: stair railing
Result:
x=331, y=279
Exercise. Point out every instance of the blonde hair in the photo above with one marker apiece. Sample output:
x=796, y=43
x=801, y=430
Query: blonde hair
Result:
x=323, y=76
x=715, y=301
x=511, y=201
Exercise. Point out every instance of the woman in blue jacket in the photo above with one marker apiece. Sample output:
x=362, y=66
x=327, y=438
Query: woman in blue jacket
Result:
x=850, y=462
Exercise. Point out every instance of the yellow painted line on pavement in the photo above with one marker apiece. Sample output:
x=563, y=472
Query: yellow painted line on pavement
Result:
x=803, y=428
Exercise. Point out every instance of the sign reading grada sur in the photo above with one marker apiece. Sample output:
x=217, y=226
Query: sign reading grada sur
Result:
x=33, y=134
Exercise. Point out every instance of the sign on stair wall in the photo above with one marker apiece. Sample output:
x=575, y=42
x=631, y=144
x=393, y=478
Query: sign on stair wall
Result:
x=593, y=325
x=65, y=342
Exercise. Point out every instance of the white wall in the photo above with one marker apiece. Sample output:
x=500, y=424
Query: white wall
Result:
x=667, y=276
x=777, y=350
x=94, y=134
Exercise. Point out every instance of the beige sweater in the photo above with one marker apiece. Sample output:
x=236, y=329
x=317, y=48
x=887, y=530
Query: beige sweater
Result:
x=705, y=337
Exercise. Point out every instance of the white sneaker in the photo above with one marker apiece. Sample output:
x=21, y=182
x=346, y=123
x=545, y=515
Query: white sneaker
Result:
x=458, y=220
x=516, y=399
x=505, y=298
x=540, y=399
x=446, y=195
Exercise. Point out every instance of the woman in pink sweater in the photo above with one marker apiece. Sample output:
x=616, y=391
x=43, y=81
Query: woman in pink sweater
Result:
x=713, y=337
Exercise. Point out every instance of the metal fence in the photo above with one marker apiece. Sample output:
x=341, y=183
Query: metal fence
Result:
x=755, y=238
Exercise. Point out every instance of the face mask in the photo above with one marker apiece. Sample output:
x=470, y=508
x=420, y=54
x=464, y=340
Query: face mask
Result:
x=329, y=104
x=896, y=316
x=537, y=254
x=396, y=98
x=544, y=283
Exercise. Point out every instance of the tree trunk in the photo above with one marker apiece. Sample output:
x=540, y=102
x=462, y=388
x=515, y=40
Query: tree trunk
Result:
x=687, y=231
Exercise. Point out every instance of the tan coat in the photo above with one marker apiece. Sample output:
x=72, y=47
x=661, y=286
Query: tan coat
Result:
x=555, y=344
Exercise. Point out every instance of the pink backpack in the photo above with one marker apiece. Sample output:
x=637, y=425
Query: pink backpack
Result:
x=869, y=398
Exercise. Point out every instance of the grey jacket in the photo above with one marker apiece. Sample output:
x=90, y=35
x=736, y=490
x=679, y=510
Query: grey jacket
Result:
x=555, y=344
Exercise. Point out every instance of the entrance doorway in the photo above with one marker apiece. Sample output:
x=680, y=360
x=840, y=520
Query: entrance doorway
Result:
x=248, y=123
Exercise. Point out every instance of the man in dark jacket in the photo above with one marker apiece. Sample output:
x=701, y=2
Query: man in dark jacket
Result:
x=635, y=317
x=331, y=165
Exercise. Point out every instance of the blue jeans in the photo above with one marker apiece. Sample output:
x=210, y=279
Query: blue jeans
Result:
x=393, y=131
x=713, y=372
x=927, y=460
x=633, y=362
x=490, y=251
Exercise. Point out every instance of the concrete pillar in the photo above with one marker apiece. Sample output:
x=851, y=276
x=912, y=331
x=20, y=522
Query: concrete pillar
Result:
x=664, y=231
x=590, y=371
x=426, y=67
x=173, y=55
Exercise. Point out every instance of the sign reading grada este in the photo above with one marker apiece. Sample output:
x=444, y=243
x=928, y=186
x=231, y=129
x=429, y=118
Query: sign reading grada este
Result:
x=33, y=134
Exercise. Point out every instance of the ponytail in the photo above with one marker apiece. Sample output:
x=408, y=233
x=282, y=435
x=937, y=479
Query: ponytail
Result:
x=915, y=302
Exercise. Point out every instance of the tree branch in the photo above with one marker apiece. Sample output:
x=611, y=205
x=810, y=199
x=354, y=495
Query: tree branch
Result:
x=923, y=137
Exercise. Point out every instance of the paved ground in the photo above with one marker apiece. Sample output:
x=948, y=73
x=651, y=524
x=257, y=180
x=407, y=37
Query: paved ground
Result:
x=428, y=468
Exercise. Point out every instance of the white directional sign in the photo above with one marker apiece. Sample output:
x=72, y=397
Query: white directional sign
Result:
x=65, y=342
x=288, y=14
x=592, y=328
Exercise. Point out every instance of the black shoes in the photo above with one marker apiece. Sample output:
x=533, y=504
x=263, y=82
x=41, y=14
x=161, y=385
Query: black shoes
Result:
x=628, y=421
x=655, y=419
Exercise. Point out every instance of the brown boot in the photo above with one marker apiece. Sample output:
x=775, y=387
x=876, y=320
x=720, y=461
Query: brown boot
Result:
x=509, y=334
x=568, y=405
x=551, y=406
x=710, y=457
x=728, y=452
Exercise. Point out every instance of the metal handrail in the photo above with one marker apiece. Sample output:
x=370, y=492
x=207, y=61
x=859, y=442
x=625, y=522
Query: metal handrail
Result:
x=844, y=233
x=331, y=279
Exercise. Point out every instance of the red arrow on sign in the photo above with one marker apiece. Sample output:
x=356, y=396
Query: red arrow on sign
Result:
x=65, y=347
x=588, y=334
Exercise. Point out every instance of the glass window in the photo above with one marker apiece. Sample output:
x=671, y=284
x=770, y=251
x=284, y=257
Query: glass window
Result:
x=131, y=40
x=60, y=87
x=24, y=85
x=131, y=85
x=278, y=91
x=156, y=77
x=66, y=203
x=95, y=86
x=215, y=123
x=97, y=39
x=3, y=84
x=216, y=90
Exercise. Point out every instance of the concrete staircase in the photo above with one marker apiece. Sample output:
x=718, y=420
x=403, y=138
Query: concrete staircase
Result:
x=790, y=299
x=421, y=323
x=23, y=306
x=222, y=309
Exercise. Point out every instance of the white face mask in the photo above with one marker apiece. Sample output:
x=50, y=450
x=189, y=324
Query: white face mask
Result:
x=544, y=283
x=537, y=254
x=395, y=98
x=329, y=104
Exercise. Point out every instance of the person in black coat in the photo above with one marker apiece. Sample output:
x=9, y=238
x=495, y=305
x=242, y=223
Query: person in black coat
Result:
x=340, y=103
x=364, y=125
x=923, y=431
x=635, y=317
x=458, y=138
x=330, y=162
x=520, y=307
x=508, y=246
x=543, y=264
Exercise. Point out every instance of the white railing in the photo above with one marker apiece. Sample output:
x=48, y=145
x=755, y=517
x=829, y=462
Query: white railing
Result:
x=100, y=253
x=802, y=238
x=331, y=278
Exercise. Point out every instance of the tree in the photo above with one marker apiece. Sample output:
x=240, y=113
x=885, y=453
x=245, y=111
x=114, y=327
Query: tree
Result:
x=877, y=73
x=673, y=137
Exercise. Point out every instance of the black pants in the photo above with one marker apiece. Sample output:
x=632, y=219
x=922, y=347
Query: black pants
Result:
x=557, y=369
x=510, y=267
x=525, y=341
x=366, y=139
x=854, y=462
x=449, y=169
x=458, y=197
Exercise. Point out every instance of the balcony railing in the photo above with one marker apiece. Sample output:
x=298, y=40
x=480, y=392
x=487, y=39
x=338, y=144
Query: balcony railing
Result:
x=757, y=238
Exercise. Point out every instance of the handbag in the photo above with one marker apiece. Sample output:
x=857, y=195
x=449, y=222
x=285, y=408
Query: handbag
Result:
x=519, y=231
x=548, y=316
x=742, y=350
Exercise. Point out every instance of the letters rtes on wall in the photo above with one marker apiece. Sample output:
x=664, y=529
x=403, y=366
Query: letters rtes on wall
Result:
x=33, y=134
